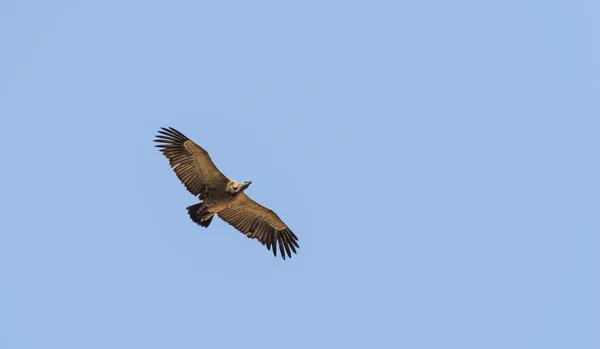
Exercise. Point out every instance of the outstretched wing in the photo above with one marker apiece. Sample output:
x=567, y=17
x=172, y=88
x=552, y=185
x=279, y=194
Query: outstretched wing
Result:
x=191, y=163
x=259, y=222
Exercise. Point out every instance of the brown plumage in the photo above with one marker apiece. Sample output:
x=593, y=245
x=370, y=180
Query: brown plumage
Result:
x=221, y=196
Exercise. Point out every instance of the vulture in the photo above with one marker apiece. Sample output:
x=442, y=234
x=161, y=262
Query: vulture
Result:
x=222, y=196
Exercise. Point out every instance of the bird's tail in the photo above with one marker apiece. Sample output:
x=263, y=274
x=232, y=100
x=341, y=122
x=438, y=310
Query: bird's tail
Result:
x=199, y=215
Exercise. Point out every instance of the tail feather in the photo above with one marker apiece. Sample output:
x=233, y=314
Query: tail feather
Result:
x=199, y=215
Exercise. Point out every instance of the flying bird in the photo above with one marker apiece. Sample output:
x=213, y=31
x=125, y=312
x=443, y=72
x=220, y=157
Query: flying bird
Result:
x=222, y=196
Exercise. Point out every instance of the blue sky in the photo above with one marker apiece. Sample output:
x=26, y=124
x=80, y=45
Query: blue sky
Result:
x=438, y=161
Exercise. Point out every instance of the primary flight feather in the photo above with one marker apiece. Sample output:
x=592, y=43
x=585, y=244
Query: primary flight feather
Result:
x=222, y=196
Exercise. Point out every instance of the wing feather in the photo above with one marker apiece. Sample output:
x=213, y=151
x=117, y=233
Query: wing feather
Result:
x=191, y=163
x=258, y=222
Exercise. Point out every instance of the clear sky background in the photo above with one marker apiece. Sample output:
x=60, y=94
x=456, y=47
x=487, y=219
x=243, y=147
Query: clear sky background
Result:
x=437, y=159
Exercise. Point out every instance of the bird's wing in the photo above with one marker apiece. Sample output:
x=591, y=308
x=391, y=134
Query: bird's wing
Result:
x=191, y=163
x=259, y=222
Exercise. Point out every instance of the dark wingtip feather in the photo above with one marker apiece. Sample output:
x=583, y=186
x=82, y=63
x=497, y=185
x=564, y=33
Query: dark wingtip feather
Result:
x=274, y=242
x=176, y=132
x=172, y=133
x=164, y=129
x=287, y=247
x=281, y=250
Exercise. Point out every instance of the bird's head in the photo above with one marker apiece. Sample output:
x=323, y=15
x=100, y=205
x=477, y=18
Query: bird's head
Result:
x=243, y=186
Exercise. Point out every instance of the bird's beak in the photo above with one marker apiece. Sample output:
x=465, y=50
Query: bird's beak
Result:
x=243, y=186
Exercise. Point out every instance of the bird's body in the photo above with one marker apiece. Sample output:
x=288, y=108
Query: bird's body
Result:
x=221, y=196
